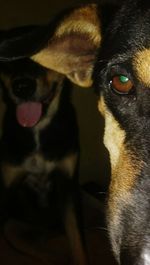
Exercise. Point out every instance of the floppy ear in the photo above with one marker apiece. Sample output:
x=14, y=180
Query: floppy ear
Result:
x=73, y=46
x=21, y=42
x=68, y=45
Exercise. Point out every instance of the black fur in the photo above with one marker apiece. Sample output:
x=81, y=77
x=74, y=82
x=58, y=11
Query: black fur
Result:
x=124, y=31
x=39, y=198
x=127, y=34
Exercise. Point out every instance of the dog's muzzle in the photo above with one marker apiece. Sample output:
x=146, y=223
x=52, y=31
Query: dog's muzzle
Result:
x=131, y=232
x=28, y=111
x=142, y=257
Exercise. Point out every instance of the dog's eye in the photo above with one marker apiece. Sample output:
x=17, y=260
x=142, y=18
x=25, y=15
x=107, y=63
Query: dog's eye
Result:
x=121, y=84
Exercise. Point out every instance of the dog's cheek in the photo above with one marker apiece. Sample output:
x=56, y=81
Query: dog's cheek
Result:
x=114, y=136
x=124, y=177
x=125, y=168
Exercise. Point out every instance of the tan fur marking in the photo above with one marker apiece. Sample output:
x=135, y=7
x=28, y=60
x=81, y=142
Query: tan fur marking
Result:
x=68, y=164
x=55, y=60
x=123, y=179
x=46, y=58
x=125, y=168
x=113, y=135
x=7, y=81
x=36, y=164
x=141, y=65
x=101, y=106
x=71, y=51
x=124, y=164
x=82, y=20
x=124, y=176
x=10, y=173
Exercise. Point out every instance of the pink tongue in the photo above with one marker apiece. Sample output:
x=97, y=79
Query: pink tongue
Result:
x=29, y=113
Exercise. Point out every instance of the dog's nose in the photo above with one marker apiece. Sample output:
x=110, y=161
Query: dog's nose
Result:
x=24, y=88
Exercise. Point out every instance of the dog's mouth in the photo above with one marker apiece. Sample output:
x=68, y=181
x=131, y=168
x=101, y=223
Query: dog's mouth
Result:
x=29, y=113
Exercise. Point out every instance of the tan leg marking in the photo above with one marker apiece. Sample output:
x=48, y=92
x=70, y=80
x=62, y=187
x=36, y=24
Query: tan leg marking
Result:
x=10, y=173
x=68, y=164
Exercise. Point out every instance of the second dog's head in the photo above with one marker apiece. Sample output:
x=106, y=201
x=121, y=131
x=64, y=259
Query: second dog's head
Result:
x=29, y=89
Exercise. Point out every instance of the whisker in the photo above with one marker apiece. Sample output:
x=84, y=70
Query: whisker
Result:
x=97, y=228
x=101, y=192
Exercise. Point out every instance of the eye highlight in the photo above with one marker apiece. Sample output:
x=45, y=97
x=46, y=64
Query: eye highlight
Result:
x=121, y=84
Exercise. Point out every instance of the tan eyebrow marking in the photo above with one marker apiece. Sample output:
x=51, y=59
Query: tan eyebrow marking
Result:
x=141, y=65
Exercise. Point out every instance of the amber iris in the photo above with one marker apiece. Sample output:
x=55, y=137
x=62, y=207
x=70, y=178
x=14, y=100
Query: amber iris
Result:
x=121, y=84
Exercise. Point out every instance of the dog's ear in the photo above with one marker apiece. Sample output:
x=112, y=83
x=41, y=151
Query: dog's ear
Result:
x=21, y=42
x=73, y=47
x=68, y=45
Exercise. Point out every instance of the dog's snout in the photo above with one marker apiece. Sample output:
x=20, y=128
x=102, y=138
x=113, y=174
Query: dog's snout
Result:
x=139, y=256
x=24, y=88
x=145, y=256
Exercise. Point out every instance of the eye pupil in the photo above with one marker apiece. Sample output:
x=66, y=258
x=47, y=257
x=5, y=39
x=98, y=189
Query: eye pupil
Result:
x=123, y=79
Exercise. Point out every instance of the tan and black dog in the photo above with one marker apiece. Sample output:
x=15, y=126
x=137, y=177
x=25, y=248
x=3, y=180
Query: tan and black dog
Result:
x=39, y=151
x=115, y=42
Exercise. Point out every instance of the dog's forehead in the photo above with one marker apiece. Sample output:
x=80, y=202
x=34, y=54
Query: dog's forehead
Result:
x=128, y=37
x=129, y=31
x=138, y=40
x=22, y=67
x=134, y=16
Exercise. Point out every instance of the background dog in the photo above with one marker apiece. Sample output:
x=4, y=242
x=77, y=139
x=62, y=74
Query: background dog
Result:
x=115, y=43
x=39, y=150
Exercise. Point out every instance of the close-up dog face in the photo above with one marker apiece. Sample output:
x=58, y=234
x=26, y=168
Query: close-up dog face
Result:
x=122, y=78
x=30, y=89
x=119, y=52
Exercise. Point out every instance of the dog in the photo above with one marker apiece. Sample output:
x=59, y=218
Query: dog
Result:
x=110, y=48
x=39, y=155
